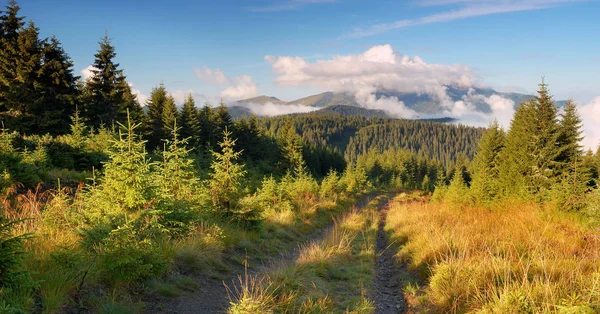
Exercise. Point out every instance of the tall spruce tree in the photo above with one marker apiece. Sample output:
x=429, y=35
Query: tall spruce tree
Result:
x=207, y=136
x=529, y=162
x=156, y=104
x=10, y=23
x=190, y=127
x=106, y=86
x=570, y=136
x=169, y=115
x=515, y=158
x=485, y=165
x=544, y=131
x=58, y=90
x=20, y=63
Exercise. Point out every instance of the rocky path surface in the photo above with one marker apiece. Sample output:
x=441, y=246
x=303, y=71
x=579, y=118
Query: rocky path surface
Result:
x=387, y=294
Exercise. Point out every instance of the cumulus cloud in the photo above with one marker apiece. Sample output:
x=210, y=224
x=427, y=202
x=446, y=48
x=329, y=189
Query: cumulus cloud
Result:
x=216, y=76
x=465, y=110
x=181, y=95
x=139, y=95
x=466, y=9
x=271, y=109
x=590, y=114
x=377, y=69
x=87, y=72
x=241, y=87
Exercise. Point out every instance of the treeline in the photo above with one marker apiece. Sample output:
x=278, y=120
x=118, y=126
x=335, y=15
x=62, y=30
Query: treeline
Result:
x=539, y=158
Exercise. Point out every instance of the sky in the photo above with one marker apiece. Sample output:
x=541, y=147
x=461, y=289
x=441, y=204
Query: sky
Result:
x=295, y=48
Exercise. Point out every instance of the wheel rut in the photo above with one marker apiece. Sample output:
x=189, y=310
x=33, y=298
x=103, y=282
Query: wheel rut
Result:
x=387, y=294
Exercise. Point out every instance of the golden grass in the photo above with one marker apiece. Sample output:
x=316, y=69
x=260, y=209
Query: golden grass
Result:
x=508, y=259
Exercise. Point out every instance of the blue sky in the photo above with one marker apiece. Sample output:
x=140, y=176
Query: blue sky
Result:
x=508, y=44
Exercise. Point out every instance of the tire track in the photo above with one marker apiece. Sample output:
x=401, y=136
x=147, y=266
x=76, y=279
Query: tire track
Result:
x=387, y=294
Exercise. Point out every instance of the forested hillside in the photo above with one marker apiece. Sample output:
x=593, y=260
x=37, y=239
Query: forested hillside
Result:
x=108, y=205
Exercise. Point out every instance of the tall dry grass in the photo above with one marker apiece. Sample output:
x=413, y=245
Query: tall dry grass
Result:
x=512, y=258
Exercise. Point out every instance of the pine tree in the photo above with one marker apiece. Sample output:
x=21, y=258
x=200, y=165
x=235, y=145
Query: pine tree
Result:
x=176, y=174
x=190, y=126
x=485, y=165
x=10, y=24
x=58, y=90
x=20, y=62
x=222, y=121
x=226, y=176
x=207, y=136
x=105, y=87
x=575, y=173
x=156, y=104
x=570, y=136
x=515, y=157
x=545, y=134
x=292, y=148
x=168, y=116
x=529, y=162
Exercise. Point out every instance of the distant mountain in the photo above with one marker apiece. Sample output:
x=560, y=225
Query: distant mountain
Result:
x=346, y=104
x=261, y=100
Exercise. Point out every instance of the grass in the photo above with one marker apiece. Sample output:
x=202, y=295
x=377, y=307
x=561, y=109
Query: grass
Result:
x=511, y=258
x=330, y=275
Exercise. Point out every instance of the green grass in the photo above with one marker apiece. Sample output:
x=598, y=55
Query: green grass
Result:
x=331, y=275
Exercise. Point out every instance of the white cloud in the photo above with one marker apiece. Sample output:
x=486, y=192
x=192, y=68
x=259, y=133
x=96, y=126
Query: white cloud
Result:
x=140, y=97
x=87, y=72
x=286, y=5
x=590, y=114
x=465, y=110
x=271, y=109
x=467, y=9
x=216, y=76
x=241, y=87
x=244, y=87
x=379, y=68
x=181, y=95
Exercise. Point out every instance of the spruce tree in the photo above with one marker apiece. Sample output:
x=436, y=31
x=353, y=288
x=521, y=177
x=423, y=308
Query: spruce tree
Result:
x=20, y=63
x=515, y=158
x=529, y=162
x=225, y=183
x=10, y=23
x=190, y=126
x=485, y=165
x=105, y=87
x=207, y=136
x=58, y=90
x=570, y=136
x=155, y=104
x=168, y=116
x=575, y=173
x=222, y=121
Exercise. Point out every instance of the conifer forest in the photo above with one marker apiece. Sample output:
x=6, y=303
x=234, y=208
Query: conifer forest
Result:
x=110, y=203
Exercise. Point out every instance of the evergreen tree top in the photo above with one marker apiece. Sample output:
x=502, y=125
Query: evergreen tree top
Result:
x=11, y=22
